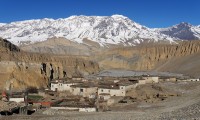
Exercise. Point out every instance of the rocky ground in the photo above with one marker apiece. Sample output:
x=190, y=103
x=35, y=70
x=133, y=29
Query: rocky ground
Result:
x=121, y=73
x=185, y=106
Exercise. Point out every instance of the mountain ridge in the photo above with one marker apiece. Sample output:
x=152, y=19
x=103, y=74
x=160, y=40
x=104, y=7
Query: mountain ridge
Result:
x=105, y=30
x=115, y=29
x=183, y=31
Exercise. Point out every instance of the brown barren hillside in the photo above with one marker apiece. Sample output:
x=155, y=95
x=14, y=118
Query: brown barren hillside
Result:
x=188, y=65
x=23, y=68
x=180, y=58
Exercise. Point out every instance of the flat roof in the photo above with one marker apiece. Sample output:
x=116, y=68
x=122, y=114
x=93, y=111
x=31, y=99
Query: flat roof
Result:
x=126, y=82
x=150, y=76
x=108, y=86
x=165, y=77
x=84, y=85
x=67, y=81
x=72, y=81
x=54, y=82
x=104, y=94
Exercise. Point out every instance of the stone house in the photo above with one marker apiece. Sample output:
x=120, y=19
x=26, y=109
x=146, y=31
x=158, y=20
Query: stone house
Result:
x=61, y=85
x=74, y=105
x=193, y=79
x=84, y=90
x=76, y=108
x=116, y=89
x=113, y=90
x=167, y=78
x=104, y=96
x=127, y=85
x=138, y=80
x=141, y=82
x=17, y=97
x=189, y=80
x=151, y=79
x=54, y=85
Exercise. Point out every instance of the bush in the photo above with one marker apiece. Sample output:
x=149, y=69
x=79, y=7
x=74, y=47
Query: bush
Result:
x=34, y=97
x=32, y=90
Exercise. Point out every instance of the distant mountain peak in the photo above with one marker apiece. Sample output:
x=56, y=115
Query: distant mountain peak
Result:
x=183, y=31
x=118, y=16
x=183, y=24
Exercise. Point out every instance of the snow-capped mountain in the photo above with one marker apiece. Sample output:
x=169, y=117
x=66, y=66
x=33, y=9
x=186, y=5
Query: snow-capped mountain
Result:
x=183, y=31
x=113, y=29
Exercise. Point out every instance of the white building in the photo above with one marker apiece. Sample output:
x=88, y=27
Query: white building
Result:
x=61, y=85
x=141, y=82
x=104, y=96
x=54, y=86
x=17, y=99
x=127, y=86
x=118, y=89
x=78, y=108
x=167, y=78
x=189, y=80
x=113, y=91
x=151, y=79
x=194, y=79
x=84, y=90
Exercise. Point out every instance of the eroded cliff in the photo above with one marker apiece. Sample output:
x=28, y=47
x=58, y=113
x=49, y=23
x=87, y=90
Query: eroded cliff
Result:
x=147, y=57
x=24, y=69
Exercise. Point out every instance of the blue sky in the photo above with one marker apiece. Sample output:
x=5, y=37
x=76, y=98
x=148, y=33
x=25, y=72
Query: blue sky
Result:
x=151, y=13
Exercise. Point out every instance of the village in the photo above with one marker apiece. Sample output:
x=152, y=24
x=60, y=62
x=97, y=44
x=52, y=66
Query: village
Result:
x=83, y=94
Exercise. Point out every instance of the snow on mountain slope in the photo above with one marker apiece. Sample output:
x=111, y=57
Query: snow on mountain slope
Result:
x=196, y=30
x=184, y=31
x=113, y=29
x=1, y=24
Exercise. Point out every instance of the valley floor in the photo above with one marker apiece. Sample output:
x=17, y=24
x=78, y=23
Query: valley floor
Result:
x=186, y=106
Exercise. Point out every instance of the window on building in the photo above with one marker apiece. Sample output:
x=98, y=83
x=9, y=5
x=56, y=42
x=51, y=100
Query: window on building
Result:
x=101, y=90
x=81, y=90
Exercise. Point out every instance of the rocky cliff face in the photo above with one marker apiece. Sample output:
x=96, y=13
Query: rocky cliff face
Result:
x=5, y=45
x=146, y=57
x=23, y=68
